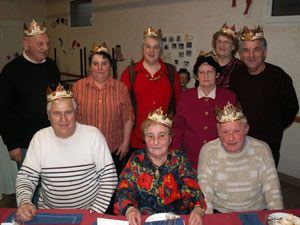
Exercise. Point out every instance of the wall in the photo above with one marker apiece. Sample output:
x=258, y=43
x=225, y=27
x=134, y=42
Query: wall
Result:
x=22, y=10
x=12, y=18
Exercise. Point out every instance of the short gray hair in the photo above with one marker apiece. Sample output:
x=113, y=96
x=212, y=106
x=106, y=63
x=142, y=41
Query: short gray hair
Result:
x=263, y=42
x=157, y=39
x=60, y=100
x=244, y=120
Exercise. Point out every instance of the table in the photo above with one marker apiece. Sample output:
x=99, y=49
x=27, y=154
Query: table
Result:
x=209, y=219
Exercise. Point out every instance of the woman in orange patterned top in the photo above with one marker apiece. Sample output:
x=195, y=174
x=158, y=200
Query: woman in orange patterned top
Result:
x=104, y=102
x=159, y=179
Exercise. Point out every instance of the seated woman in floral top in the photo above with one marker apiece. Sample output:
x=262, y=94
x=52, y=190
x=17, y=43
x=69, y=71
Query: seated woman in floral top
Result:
x=159, y=179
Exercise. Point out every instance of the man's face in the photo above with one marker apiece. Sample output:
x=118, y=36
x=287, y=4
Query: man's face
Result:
x=253, y=55
x=62, y=118
x=232, y=135
x=36, y=47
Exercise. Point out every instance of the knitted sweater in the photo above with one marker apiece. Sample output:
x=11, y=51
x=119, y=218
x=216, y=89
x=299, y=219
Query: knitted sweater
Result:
x=245, y=181
x=23, y=87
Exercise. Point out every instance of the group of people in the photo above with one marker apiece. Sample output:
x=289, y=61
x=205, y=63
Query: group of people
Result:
x=111, y=144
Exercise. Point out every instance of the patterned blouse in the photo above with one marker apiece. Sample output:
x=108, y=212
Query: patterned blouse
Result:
x=224, y=77
x=173, y=187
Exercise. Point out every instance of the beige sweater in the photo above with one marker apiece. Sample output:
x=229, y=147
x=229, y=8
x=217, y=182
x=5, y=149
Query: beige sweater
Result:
x=245, y=181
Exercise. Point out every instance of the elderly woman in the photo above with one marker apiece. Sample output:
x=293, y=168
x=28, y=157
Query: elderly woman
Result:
x=104, y=102
x=195, y=122
x=151, y=83
x=159, y=179
x=225, y=44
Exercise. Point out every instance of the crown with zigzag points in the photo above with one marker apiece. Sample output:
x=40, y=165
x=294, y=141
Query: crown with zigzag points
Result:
x=159, y=116
x=152, y=33
x=251, y=34
x=229, y=113
x=228, y=30
x=59, y=93
x=34, y=29
x=98, y=48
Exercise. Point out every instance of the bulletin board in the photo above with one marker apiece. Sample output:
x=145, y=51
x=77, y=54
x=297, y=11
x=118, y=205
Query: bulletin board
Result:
x=179, y=50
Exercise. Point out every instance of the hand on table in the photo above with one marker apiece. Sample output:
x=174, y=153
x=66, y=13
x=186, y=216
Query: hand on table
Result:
x=196, y=216
x=133, y=215
x=16, y=155
x=27, y=211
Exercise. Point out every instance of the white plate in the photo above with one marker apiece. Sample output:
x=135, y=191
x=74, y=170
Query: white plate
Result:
x=278, y=216
x=158, y=217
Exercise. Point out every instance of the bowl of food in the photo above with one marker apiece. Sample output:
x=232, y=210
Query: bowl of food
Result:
x=283, y=219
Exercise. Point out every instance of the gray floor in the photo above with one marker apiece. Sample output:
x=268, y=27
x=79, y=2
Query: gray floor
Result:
x=291, y=197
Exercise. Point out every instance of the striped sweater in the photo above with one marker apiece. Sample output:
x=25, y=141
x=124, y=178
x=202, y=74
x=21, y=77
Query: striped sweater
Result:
x=77, y=172
x=245, y=181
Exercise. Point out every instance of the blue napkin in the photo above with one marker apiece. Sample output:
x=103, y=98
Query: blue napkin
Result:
x=179, y=221
x=52, y=218
x=250, y=219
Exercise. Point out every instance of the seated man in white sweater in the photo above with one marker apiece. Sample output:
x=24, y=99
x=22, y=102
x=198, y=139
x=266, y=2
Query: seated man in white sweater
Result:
x=72, y=160
x=237, y=172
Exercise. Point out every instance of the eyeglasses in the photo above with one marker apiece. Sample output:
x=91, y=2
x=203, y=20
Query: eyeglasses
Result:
x=59, y=114
x=160, y=137
x=219, y=42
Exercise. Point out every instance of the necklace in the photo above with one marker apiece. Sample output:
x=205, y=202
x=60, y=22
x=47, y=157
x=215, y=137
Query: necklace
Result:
x=153, y=79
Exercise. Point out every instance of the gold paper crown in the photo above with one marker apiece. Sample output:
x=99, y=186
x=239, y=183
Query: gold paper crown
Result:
x=228, y=30
x=207, y=54
x=58, y=94
x=229, y=113
x=251, y=34
x=102, y=48
x=34, y=29
x=152, y=33
x=159, y=116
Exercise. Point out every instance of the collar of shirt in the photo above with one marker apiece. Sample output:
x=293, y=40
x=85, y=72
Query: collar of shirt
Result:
x=30, y=60
x=91, y=83
x=212, y=94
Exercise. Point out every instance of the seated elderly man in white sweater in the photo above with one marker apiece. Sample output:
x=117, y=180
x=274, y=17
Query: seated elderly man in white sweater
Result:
x=72, y=160
x=237, y=172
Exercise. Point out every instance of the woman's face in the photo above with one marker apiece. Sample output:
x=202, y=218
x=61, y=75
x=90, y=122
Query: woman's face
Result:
x=157, y=140
x=100, y=69
x=224, y=46
x=151, y=50
x=206, y=76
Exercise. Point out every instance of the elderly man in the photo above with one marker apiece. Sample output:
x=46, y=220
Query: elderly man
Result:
x=23, y=84
x=265, y=91
x=72, y=160
x=237, y=172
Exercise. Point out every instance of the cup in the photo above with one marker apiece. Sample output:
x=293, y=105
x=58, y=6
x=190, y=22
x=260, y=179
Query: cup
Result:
x=17, y=220
x=170, y=219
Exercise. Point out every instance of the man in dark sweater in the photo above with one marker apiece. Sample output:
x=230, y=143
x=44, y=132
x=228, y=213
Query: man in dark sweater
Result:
x=265, y=91
x=23, y=85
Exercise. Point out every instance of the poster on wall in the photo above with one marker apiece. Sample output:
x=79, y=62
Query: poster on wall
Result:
x=180, y=50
